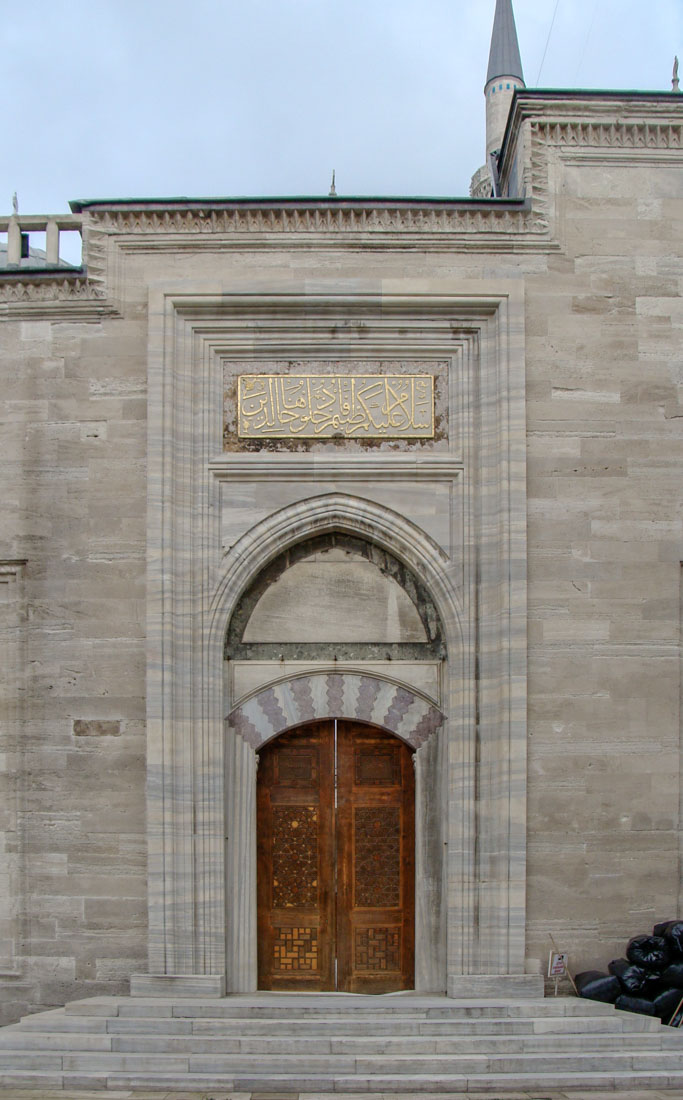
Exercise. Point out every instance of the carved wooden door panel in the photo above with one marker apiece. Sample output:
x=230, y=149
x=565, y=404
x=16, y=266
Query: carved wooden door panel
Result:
x=336, y=884
x=295, y=881
x=375, y=868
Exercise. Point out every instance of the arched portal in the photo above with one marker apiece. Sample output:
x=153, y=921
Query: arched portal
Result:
x=335, y=856
x=337, y=630
x=452, y=512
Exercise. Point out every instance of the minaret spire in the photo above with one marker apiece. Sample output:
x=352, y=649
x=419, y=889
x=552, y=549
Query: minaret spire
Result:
x=505, y=74
x=504, y=58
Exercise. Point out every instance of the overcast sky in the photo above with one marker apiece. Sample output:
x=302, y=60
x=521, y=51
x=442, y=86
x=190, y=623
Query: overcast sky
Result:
x=151, y=98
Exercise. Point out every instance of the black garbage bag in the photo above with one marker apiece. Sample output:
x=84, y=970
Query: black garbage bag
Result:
x=666, y=1003
x=650, y=952
x=627, y=1003
x=673, y=976
x=635, y=979
x=672, y=932
x=596, y=986
x=660, y=929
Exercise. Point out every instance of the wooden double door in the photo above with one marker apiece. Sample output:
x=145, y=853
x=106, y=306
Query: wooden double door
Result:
x=336, y=878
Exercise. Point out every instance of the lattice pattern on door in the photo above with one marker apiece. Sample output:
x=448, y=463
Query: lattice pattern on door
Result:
x=296, y=949
x=377, y=949
x=377, y=840
x=295, y=857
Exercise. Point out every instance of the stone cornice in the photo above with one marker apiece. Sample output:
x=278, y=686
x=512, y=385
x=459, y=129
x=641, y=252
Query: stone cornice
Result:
x=611, y=123
x=358, y=225
x=318, y=466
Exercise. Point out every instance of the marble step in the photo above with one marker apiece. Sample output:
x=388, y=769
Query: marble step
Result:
x=132, y=1042
x=53, y=1040
x=622, y=1045
x=339, y=1007
x=388, y=1083
x=57, y=1021
x=614, y=1023
x=460, y=1064
x=380, y=1026
x=398, y=1065
x=272, y=1045
x=90, y=1061
x=385, y=1083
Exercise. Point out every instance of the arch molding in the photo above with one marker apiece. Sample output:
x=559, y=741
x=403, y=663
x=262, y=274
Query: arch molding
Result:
x=317, y=696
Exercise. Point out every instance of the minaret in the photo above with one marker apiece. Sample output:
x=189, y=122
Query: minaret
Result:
x=504, y=75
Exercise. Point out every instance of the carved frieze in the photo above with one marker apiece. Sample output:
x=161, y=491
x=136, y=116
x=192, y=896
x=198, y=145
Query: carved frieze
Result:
x=612, y=134
x=48, y=290
x=430, y=219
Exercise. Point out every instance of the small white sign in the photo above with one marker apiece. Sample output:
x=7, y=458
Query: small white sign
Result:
x=557, y=965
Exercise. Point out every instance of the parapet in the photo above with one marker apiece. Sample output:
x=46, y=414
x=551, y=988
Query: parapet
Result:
x=26, y=233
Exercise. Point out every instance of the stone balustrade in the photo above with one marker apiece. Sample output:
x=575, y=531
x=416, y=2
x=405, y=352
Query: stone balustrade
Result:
x=17, y=226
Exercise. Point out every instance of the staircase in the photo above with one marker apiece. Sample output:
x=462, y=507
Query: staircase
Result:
x=277, y=1043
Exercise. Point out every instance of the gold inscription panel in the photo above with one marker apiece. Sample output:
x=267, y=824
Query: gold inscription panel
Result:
x=318, y=406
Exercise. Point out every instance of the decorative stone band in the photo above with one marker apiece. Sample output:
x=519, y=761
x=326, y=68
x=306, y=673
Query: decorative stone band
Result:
x=316, y=696
x=41, y=289
x=611, y=134
x=430, y=217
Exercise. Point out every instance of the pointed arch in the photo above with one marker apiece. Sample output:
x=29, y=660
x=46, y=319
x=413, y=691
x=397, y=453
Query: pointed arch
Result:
x=342, y=694
x=321, y=515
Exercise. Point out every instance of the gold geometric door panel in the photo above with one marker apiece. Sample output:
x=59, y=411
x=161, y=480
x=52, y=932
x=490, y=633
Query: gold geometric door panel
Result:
x=295, y=823
x=336, y=824
x=375, y=869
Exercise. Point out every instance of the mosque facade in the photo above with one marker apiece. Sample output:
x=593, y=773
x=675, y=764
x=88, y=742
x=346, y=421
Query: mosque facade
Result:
x=341, y=574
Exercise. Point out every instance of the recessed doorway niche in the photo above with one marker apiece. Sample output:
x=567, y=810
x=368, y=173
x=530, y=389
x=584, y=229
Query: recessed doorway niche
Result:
x=452, y=511
x=338, y=628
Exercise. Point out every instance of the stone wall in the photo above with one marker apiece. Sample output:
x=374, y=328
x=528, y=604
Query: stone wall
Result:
x=597, y=255
x=605, y=419
x=72, y=736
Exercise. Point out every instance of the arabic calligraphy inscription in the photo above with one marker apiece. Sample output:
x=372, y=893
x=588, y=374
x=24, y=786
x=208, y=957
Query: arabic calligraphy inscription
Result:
x=315, y=406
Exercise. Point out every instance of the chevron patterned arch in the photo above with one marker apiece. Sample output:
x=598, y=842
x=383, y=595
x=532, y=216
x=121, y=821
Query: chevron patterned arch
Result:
x=352, y=695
